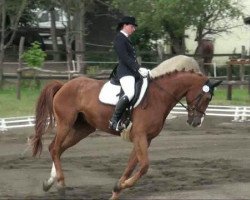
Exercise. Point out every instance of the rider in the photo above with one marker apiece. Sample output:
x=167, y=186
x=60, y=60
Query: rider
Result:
x=128, y=69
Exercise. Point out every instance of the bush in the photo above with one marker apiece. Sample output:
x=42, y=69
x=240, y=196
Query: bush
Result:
x=34, y=56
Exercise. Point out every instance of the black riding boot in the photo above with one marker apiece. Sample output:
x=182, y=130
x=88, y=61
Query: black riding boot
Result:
x=119, y=109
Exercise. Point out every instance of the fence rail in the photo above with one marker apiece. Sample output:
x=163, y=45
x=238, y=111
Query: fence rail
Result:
x=16, y=122
x=238, y=113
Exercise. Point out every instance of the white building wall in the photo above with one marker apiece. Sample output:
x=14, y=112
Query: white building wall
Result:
x=226, y=43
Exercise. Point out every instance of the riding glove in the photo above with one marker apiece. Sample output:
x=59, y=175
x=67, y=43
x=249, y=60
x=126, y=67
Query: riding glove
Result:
x=144, y=71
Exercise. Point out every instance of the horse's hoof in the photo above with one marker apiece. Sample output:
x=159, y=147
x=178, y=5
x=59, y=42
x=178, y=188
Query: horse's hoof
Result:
x=46, y=186
x=117, y=187
x=61, y=190
x=115, y=196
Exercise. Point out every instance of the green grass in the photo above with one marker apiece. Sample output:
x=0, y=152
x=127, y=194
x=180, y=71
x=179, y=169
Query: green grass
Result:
x=240, y=96
x=10, y=106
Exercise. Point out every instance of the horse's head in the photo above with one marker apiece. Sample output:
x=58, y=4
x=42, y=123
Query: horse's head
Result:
x=198, y=98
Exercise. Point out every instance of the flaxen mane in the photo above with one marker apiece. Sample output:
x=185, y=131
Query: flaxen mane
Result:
x=176, y=63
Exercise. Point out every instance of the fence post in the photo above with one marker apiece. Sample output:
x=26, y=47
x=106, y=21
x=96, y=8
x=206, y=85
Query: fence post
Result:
x=249, y=85
x=236, y=114
x=244, y=112
x=229, y=78
x=215, y=70
x=3, y=125
x=19, y=73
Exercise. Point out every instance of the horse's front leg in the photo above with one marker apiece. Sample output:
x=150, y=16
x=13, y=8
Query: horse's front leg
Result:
x=132, y=162
x=141, y=154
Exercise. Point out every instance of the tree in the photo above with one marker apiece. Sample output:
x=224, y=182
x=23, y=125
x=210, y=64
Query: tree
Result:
x=14, y=11
x=49, y=6
x=159, y=17
x=214, y=17
x=76, y=27
x=170, y=18
x=53, y=33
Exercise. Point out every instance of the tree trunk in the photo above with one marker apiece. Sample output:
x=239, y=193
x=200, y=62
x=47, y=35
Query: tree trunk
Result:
x=19, y=73
x=177, y=45
x=1, y=68
x=68, y=42
x=56, y=55
x=79, y=24
x=2, y=42
x=14, y=28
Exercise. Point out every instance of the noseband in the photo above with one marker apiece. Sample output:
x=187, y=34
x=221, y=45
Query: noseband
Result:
x=195, y=106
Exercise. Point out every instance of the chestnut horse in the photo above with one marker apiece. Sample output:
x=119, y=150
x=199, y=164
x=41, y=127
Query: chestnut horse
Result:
x=77, y=112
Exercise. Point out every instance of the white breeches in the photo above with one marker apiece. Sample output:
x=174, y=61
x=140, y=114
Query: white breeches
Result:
x=128, y=86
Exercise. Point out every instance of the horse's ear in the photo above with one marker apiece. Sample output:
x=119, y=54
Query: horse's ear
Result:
x=215, y=83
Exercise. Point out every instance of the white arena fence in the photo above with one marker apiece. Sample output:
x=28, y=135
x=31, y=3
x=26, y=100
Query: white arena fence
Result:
x=238, y=113
x=16, y=122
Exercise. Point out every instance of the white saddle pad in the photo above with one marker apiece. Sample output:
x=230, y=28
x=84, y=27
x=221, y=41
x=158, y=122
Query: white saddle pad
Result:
x=110, y=93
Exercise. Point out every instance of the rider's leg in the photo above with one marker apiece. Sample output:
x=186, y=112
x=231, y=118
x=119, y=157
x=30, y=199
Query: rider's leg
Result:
x=128, y=86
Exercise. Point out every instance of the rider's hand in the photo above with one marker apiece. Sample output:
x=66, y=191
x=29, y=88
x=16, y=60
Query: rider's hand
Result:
x=143, y=71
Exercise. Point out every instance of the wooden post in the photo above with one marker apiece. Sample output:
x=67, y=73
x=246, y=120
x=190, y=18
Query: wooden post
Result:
x=242, y=66
x=242, y=72
x=229, y=78
x=249, y=85
x=19, y=73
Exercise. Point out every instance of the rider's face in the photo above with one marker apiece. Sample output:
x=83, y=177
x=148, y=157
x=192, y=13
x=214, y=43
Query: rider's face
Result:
x=129, y=28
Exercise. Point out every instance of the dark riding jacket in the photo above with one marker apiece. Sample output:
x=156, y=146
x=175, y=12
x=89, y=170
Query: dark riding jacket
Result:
x=128, y=65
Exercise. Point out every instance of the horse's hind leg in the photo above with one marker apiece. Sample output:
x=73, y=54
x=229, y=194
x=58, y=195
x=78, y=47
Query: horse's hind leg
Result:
x=74, y=136
x=56, y=150
x=48, y=183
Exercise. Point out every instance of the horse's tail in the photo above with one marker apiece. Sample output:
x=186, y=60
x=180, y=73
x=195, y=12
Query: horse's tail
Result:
x=44, y=114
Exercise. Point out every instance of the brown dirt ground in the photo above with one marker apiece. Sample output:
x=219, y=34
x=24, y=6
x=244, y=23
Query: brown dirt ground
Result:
x=210, y=162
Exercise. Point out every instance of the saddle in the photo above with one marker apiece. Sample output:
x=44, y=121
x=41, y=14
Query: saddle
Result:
x=111, y=92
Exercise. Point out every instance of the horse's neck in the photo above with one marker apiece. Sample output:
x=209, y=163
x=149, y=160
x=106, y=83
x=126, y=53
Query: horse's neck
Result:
x=177, y=85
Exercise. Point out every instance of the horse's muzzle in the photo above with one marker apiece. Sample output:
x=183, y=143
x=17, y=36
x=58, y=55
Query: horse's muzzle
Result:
x=195, y=121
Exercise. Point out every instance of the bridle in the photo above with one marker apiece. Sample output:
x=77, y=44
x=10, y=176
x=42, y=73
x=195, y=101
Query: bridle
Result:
x=188, y=107
x=195, y=106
